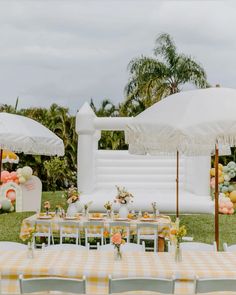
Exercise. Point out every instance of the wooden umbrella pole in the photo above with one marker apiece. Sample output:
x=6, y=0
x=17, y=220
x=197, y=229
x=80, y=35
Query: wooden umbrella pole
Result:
x=217, y=196
x=177, y=184
x=1, y=165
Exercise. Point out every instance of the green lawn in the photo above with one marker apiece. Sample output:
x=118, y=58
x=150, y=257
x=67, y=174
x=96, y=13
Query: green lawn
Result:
x=200, y=227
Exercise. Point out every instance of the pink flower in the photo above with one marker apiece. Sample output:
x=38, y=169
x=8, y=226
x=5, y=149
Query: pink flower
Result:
x=116, y=239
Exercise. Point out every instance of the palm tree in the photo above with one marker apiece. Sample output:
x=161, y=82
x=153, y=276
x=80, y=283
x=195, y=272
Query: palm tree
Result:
x=151, y=79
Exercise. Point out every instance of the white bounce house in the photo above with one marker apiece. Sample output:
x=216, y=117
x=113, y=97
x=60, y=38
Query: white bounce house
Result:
x=148, y=178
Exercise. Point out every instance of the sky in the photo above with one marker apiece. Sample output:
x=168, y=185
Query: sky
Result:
x=69, y=51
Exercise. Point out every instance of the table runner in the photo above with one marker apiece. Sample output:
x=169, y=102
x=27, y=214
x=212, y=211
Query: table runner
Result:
x=96, y=266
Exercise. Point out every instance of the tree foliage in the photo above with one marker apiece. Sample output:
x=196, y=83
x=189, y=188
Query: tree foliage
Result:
x=153, y=78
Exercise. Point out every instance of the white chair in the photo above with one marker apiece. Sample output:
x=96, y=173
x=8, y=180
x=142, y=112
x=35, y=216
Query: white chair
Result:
x=122, y=226
x=141, y=227
x=94, y=229
x=127, y=247
x=12, y=246
x=141, y=284
x=46, y=284
x=227, y=248
x=69, y=229
x=43, y=228
x=66, y=247
x=195, y=246
x=214, y=285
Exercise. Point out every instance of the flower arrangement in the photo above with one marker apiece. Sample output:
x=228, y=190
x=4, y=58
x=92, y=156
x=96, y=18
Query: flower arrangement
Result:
x=117, y=241
x=46, y=206
x=123, y=196
x=108, y=206
x=176, y=236
x=72, y=195
x=87, y=205
x=27, y=234
x=155, y=209
x=177, y=233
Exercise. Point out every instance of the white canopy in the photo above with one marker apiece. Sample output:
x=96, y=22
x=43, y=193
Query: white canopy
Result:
x=22, y=134
x=191, y=122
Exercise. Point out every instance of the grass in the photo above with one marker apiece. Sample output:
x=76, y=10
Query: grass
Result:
x=200, y=227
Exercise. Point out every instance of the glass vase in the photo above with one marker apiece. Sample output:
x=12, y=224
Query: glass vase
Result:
x=123, y=211
x=118, y=254
x=178, y=254
x=109, y=214
x=30, y=252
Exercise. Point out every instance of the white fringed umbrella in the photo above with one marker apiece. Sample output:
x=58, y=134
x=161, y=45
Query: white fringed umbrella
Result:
x=22, y=134
x=193, y=123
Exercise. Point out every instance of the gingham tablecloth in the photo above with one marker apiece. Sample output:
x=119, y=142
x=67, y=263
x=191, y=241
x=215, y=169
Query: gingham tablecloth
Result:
x=96, y=266
x=164, y=224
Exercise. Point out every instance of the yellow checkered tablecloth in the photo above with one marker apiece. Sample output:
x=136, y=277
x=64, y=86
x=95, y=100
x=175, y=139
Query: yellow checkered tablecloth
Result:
x=164, y=224
x=96, y=266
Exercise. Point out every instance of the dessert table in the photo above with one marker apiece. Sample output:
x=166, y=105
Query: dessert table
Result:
x=96, y=266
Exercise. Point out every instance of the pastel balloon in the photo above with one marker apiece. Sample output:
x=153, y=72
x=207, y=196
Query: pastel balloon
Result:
x=18, y=171
x=225, y=169
x=224, y=189
x=226, y=177
x=212, y=182
x=13, y=175
x=221, y=179
x=6, y=205
x=224, y=210
x=11, y=195
x=212, y=172
x=221, y=205
x=229, y=205
x=231, y=188
x=22, y=179
x=231, y=211
x=17, y=181
x=27, y=172
x=220, y=167
x=232, y=196
x=5, y=176
x=231, y=165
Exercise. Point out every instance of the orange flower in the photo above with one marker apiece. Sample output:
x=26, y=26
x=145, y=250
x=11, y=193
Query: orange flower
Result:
x=116, y=239
x=106, y=234
x=173, y=231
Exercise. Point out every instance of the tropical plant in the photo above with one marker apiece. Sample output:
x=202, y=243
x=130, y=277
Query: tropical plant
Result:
x=55, y=168
x=151, y=79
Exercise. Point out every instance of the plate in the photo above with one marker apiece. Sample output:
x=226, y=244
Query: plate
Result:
x=147, y=219
x=96, y=218
x=121, y=219
x=70, y=218
x=45, y=217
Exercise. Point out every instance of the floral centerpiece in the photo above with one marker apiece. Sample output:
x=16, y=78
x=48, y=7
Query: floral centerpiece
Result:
x=155, y=209
x=117, y=241
x=123, y=197
x=108, y=207
x=72, y=195
x=86, y=208
x=72, y=198
x=47, y=206
x=176, y=237
x=27, y=235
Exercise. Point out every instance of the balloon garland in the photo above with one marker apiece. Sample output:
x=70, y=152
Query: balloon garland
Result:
x=227, y=196
x=20, y=176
